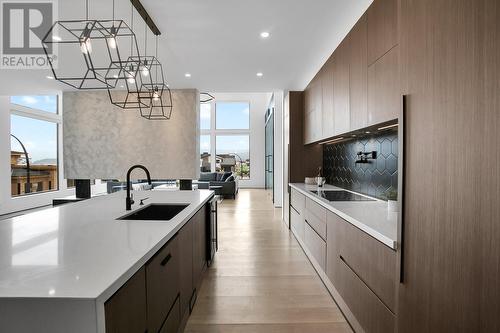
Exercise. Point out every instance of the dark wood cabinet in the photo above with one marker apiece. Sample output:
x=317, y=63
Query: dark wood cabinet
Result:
x=302, y=160
x=341, y=88
x=363, y=271
x=186, y=266
x=125, y=311
x=313, y=98
x=451, y=246
x=371, y=260
x=370, y=312
x=157, y=299
x=327, y=111
x=199, y=246
x=162, y=281
x=172, y=322
x=358, y=75
x=384, y=89
x=383, y=34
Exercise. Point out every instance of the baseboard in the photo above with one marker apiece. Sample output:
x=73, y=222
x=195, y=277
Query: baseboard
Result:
x=351, y=319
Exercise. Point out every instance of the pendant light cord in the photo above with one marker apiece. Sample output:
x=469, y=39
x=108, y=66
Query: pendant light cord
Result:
x=156, y=54
x=145, y=39
x=113, y=11
x=87, y=10
x=132, y=28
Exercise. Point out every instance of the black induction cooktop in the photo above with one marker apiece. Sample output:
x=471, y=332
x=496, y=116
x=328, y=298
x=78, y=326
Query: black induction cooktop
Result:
x=341, y=196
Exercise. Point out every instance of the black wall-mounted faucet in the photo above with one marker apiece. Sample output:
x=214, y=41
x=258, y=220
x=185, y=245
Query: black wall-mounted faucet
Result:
x=365, y=157
x=129, y=201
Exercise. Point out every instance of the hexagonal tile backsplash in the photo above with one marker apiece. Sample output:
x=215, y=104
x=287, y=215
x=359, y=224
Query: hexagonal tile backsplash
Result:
x=375, y=178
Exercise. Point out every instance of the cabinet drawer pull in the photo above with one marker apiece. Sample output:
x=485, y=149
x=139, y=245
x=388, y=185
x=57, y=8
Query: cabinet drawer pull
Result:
x=166, y=260
x=364, y=282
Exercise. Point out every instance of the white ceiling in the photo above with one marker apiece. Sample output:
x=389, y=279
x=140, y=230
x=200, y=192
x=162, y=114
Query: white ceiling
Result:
x=219, y=43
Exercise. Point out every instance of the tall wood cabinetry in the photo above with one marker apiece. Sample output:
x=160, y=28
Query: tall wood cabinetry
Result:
x=358, y=75
x=359, y=84
x=451, y=76
x=300, y=161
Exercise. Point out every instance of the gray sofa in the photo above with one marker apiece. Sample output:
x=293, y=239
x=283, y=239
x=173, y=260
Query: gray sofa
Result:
x=228, y=181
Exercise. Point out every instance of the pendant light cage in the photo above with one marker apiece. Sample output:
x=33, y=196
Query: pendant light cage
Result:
x=161, y=104
x=161, y=95
x=206, y=98
x=89, y=52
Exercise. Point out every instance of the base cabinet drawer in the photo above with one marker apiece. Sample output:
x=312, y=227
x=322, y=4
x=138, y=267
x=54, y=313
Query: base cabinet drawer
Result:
x=297, y=200
x=374, y=262
x=173, y=320
x=370, y=312
x=125, y=312
x=316, y=245
x=315, y=215
x=162, y=276
x=297, y=223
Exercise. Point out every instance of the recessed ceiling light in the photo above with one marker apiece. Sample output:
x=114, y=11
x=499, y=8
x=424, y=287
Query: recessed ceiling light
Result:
x=50, y=77
x=260, y=74
x=187, y=75
x=265, y=34
x=367, y=132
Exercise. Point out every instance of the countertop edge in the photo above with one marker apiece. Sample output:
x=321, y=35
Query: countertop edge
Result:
x=391, y=243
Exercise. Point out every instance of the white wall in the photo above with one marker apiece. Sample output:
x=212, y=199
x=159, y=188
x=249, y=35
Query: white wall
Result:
x=277, y=103
x=258, y=106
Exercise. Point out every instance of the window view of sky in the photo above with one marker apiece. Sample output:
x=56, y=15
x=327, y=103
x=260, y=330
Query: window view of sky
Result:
x=44, y=103
x=39, y=137
x=204, y=144
x=205, y=109
x=232, y=115
x=239, y=144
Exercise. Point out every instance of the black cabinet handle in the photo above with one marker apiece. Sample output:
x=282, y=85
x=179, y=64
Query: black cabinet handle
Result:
x=402, y=194
x=166, y=260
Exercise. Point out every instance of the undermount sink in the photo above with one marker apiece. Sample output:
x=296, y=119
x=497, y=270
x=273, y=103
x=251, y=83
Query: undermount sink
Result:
x=155, y=212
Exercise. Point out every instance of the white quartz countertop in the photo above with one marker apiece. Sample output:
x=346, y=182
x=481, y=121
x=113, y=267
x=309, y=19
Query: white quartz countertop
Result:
x=371, y=217
x=81, y=250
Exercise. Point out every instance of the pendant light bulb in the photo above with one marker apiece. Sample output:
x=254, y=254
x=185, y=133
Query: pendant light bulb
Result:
x=156, y=95
x=130, y=76
x=85, y=43
x=112, y=38
x=112, y=42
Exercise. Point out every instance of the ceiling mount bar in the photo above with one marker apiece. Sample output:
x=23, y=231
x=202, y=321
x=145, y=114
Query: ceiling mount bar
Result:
x=145, y=16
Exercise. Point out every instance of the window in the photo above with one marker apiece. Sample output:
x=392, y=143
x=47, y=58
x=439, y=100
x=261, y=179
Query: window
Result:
x=205, y=116
x=225, y=142
x=205, y=154
x=232, y=115
x=233, y=154
x=43, y=103
x=34, y=143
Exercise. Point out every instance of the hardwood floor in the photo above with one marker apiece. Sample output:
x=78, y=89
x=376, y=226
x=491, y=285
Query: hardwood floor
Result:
x=261, y=281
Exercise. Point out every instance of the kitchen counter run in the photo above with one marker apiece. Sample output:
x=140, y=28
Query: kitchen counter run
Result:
x=371, y=217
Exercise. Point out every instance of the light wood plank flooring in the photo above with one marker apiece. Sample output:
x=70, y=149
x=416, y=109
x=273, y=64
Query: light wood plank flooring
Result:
x=261, y=281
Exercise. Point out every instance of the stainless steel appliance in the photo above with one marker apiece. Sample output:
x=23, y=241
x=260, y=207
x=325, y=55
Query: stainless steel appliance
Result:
x=212, y=242
x=341, y=196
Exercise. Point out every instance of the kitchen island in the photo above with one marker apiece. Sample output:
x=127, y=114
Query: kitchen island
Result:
x=61, y=268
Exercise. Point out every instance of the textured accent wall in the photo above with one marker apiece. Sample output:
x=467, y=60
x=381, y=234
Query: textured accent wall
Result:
x=374, y=178
x=101, y=141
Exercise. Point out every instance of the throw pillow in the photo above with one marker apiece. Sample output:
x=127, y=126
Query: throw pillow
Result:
x=230, y=179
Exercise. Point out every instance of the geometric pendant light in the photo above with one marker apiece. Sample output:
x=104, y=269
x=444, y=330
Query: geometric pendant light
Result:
x=88, y=51
x=128, y=81
x=161, y=102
